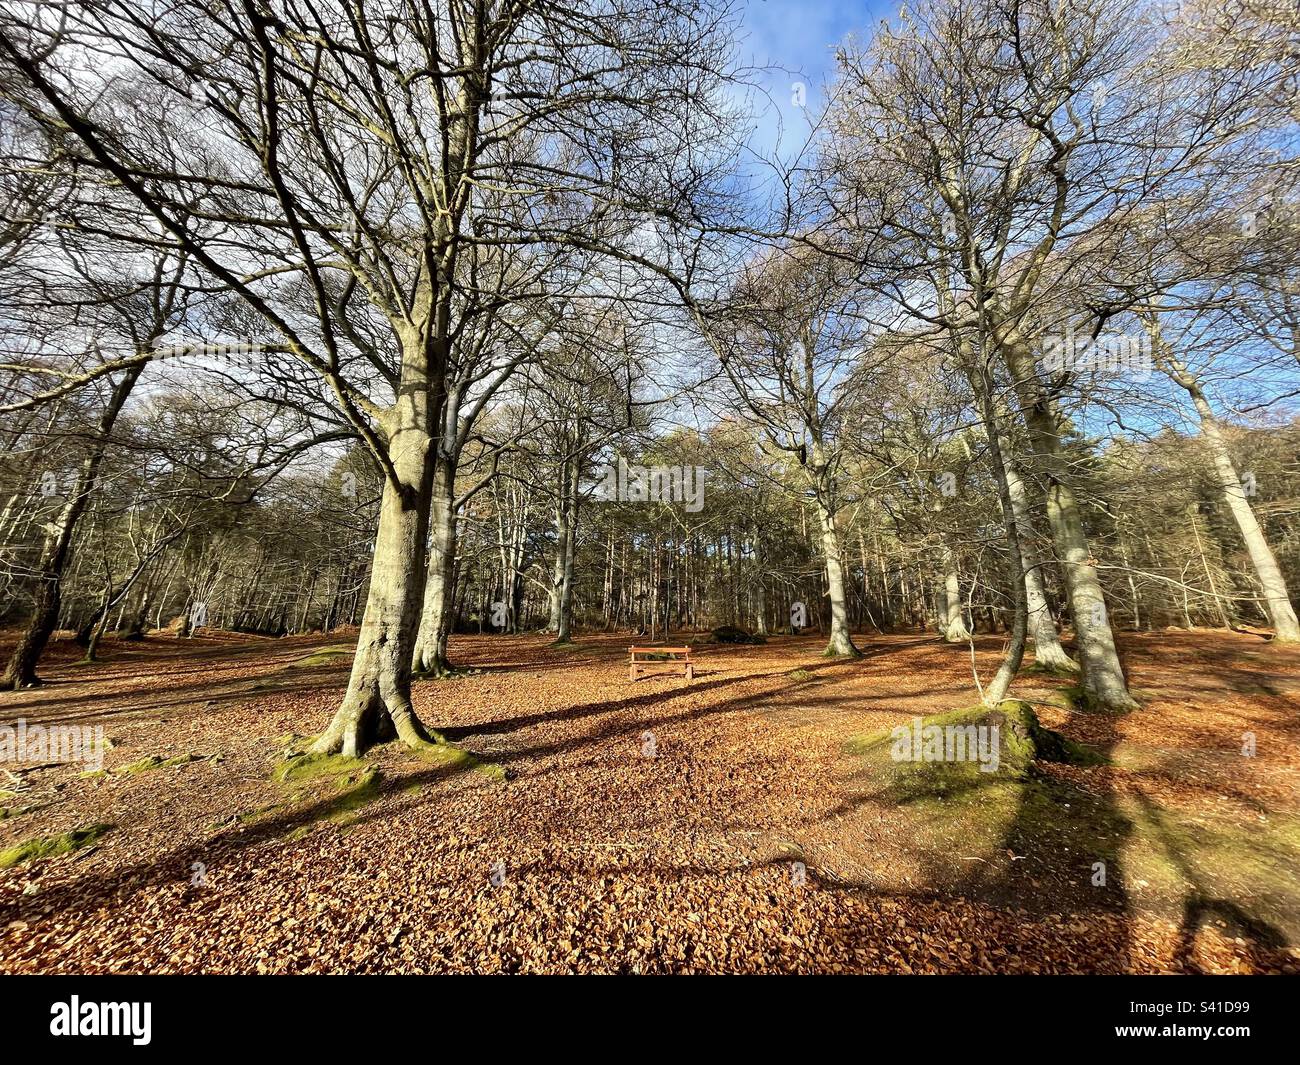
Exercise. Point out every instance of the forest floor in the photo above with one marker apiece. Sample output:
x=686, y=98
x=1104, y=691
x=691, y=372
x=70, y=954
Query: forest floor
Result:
x=661, y=825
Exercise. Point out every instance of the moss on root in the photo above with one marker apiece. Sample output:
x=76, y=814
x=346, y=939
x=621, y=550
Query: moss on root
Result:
x=307, y=767
x=332, y=786
x=357, y=791
x=52, y=846
x=155, y=761
x=1021, y=740
x=1075, y=698
x=958, y=813
x=144, y=765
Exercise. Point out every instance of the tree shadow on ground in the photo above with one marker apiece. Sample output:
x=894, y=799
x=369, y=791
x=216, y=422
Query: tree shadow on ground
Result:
x=94, y=890
x=1064, y=845
x=1201, y=905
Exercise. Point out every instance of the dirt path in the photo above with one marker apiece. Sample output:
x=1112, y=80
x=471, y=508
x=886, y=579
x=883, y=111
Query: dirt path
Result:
x=656, y=826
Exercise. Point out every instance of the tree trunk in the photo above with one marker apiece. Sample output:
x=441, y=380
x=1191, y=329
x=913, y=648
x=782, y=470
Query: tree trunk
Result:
x=1000, y=685
x=1048, y=652
x=954, y=623
x=1267, y=572
x=840, y=643
x=566, y=520
x=435, y=620
x=21, y=669
x=1102, y=677
x=377, y=704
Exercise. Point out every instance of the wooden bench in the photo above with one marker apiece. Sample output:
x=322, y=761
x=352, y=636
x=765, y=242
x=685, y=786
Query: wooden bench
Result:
x=646, y=664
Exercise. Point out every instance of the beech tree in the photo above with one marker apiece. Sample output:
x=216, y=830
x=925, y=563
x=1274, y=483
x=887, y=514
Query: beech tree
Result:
x=341, y=148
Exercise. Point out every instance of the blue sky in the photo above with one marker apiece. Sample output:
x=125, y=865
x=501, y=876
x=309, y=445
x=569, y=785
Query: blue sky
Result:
x=797, y=38
x=802, y=34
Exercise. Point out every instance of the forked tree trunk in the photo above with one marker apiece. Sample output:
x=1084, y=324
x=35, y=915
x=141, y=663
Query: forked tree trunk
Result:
x=377, y=704
x=1102, y=676
x=1048, y=651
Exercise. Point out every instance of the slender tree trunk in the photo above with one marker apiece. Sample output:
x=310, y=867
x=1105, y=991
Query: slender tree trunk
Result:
x=954, y=623
x=21, y=669
x=1048, y=652
x=1000, y=685
x=435, y=619
x=1276, y=597
x=840, y=643
x=566, y=548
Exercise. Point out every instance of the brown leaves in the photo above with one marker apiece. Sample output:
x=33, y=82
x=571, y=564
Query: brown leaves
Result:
x=743, y=839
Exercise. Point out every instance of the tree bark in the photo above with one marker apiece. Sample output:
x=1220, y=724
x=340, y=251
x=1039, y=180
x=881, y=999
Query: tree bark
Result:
x=840, y=644
x=435, y=620
x=954, y=623
x=1102, y=678
x=21, y=669
x=1276, y=596
x=566, y=527
x=377, y=704
x=1048, y=652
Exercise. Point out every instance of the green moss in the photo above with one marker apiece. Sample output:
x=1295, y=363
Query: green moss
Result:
x=331, y=786
x=1076, y=699
x=51, y=846
x=156, y=761
x=302, y=767
x=358, y=791
x=1250, y=862
x=1022, y=739
x=292, y=744
x=799, y=674
x=149, y=762
x=252, y=817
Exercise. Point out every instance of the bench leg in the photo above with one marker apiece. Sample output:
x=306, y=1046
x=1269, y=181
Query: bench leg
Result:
x=631, y=672
x=690, y=671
